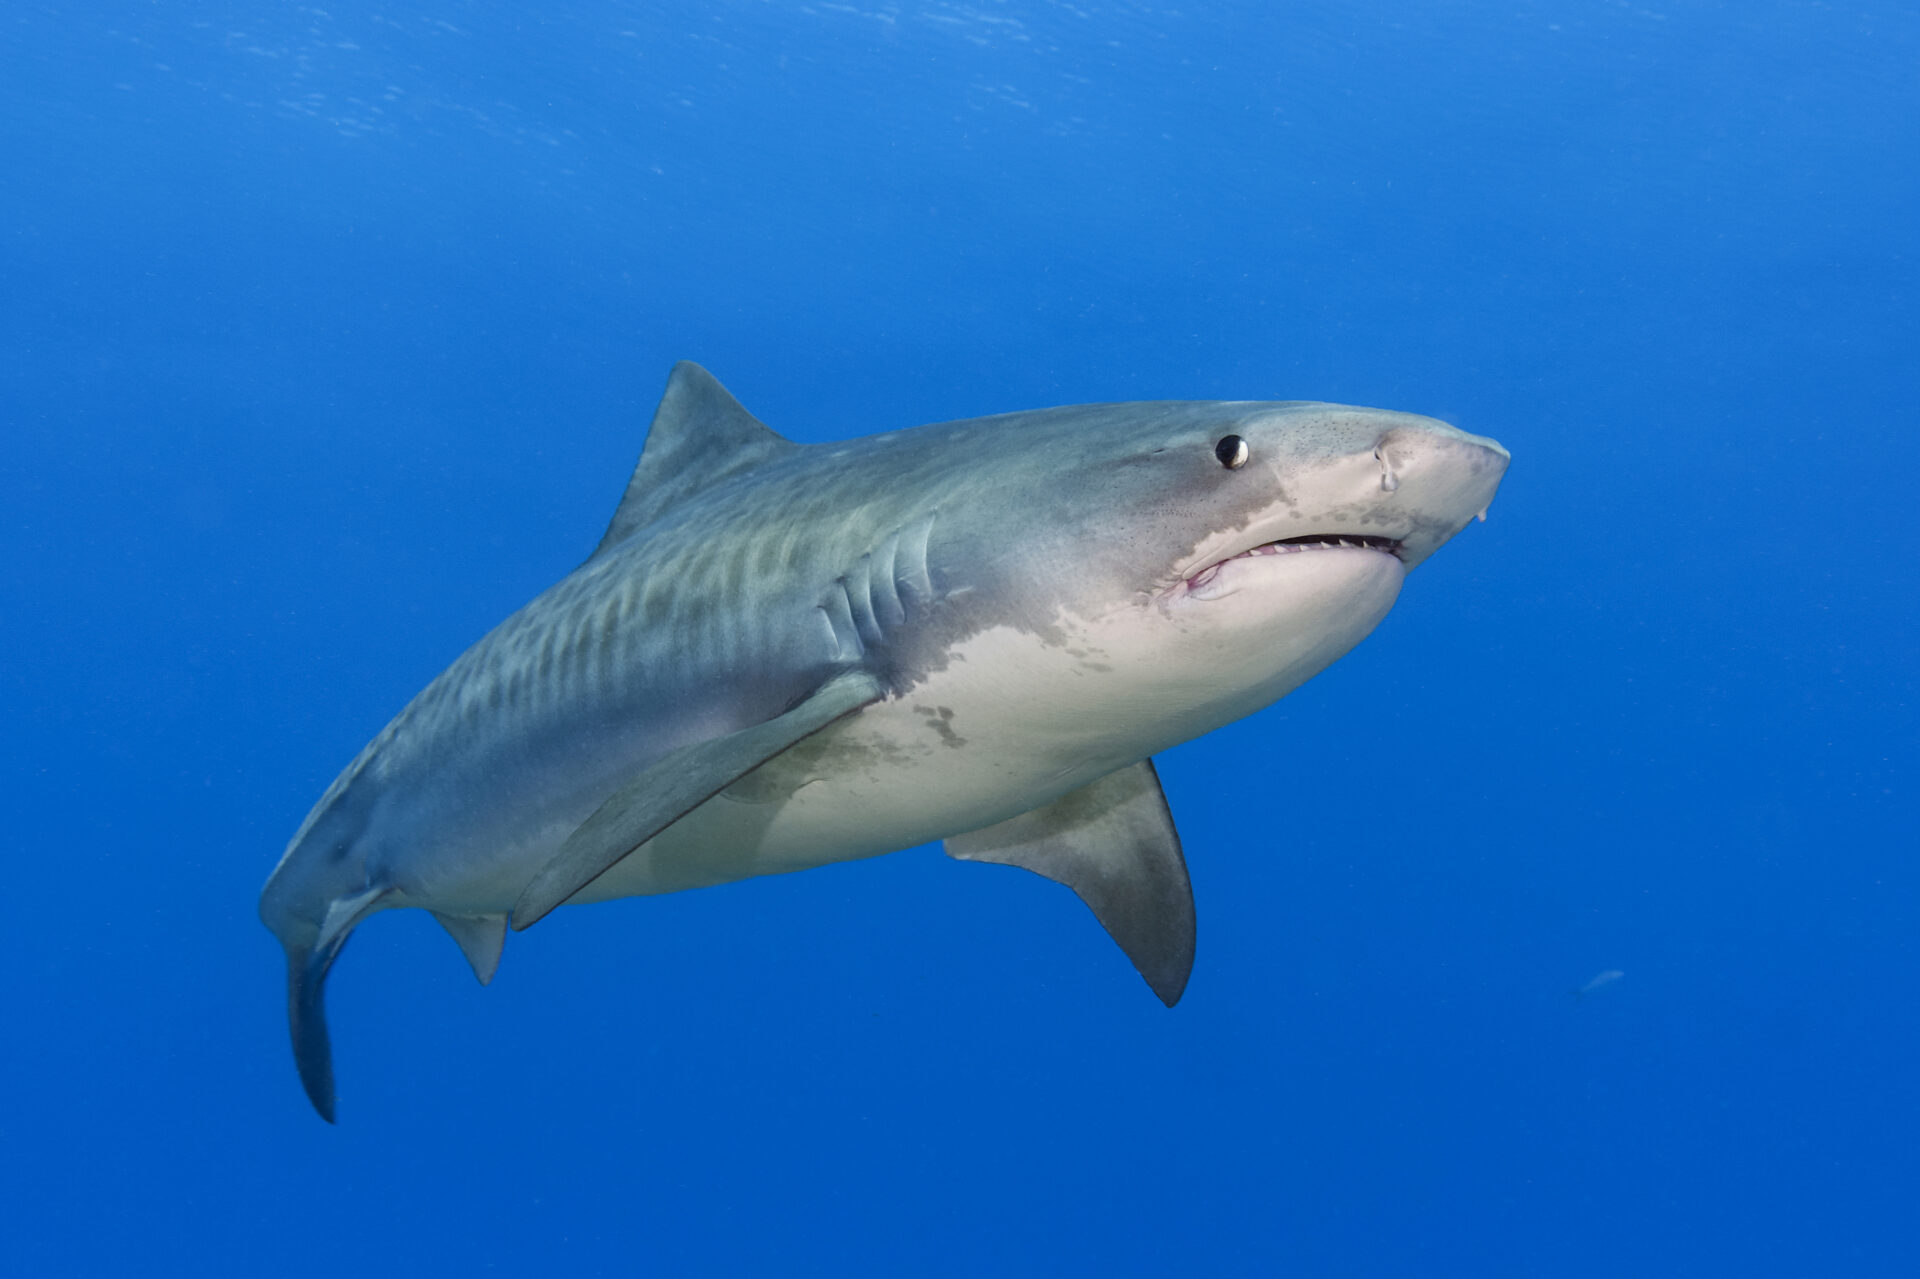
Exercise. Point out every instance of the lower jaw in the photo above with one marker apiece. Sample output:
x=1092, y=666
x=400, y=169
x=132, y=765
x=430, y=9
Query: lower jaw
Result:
x=1238, y=656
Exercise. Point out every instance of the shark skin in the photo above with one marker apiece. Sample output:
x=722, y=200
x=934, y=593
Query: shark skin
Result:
x=784, y=655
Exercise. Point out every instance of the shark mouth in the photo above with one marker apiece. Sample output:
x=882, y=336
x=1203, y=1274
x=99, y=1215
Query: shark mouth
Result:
x=1299, y=545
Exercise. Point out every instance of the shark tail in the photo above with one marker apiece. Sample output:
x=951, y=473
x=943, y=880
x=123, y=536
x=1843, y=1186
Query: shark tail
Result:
x=307, y=968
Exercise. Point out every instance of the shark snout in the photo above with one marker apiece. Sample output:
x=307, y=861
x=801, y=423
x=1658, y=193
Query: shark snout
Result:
x=1431, y=444
x=1435, y=479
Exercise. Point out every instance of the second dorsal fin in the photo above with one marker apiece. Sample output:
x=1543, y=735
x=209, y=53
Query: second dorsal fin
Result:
x=700, y=437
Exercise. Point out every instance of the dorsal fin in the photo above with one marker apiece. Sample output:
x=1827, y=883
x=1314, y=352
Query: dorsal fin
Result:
x=700, y=437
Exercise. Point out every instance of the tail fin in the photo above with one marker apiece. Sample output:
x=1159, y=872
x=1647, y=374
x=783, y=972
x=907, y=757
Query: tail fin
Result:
x=307, y=969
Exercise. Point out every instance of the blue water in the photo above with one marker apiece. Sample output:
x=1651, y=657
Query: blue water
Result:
x=327, y=338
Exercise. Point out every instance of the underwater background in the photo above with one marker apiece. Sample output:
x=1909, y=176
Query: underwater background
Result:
x=329, y=335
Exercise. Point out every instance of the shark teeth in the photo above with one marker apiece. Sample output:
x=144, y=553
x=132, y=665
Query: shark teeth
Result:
x=1329, y=541
x=1297, y=545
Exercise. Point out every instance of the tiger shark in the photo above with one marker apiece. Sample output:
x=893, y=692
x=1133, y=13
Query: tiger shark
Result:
x=784, y=655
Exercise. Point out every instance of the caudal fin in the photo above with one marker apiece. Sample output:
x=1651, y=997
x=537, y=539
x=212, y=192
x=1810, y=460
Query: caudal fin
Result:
x=307, y=969
x=307, y=1019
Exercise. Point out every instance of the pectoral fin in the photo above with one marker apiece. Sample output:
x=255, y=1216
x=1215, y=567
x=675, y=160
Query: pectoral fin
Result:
x=1113, y=843
x=677, y=785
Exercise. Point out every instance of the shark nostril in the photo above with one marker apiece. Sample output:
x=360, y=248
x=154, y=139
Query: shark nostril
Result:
x=1388, y=480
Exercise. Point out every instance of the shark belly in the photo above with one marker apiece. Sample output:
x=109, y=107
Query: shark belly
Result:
x=1009, y=723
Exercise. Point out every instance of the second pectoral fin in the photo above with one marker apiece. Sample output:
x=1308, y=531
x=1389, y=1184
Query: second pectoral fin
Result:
x=1114, y=844
x=678, y=784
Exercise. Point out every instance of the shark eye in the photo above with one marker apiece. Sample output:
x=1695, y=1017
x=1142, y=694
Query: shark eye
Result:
x=1232, y=452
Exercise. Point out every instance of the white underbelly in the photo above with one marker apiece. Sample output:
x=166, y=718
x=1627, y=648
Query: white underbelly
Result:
x=1012, y=722
x=944, y=758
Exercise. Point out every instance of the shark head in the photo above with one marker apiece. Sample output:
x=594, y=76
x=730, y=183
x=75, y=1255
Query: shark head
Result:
x=1205, y=559
x=1299, y=478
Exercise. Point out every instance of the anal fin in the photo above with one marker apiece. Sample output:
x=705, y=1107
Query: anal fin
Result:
x=481, y=938
x=1114, y=844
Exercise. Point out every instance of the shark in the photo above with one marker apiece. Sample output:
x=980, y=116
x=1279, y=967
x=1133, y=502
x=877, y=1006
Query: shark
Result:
x=784, y=655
